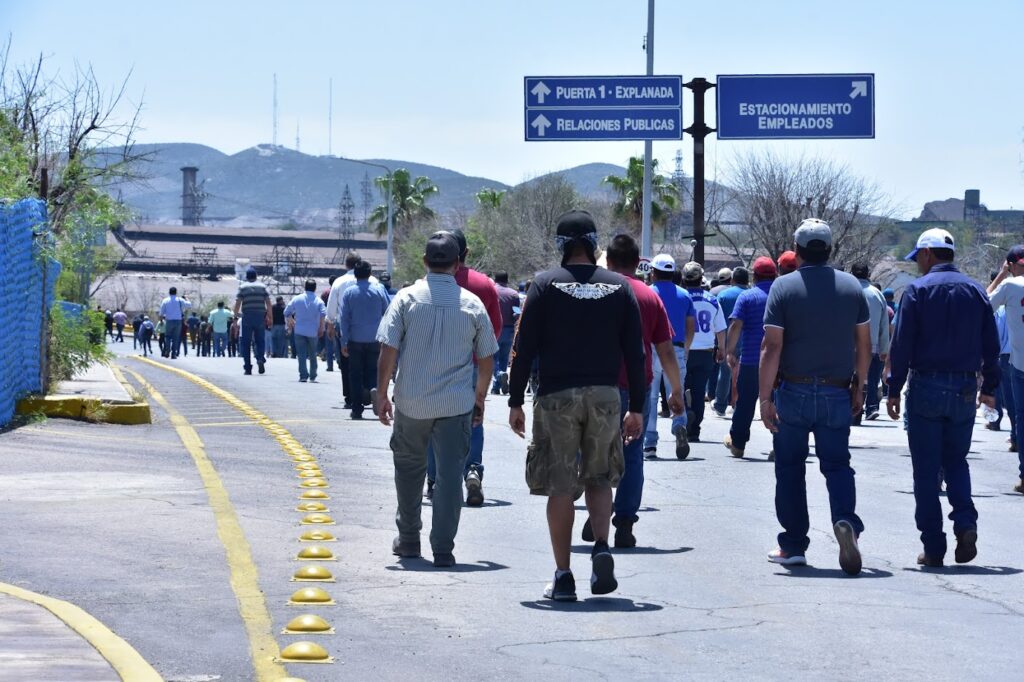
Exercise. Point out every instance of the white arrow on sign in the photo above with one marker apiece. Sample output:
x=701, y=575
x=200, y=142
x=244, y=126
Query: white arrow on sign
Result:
x=540, y=91
x=541, y=123
x=860, y=89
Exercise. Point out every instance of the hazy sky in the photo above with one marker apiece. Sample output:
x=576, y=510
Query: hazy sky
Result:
x=441, y=82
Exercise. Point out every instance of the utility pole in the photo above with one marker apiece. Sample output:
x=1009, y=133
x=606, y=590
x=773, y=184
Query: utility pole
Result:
x=699, y=130
x=274, y=137
x=330, y=114
x=645, y=228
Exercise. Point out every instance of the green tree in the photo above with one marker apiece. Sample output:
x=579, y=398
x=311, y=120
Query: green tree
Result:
x=630, y=190
x=490, y=197
x=408, y=201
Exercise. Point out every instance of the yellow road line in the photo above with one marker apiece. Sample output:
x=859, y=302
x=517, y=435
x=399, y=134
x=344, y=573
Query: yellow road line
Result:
x=244, y=577
x=119, y=653
x=252, y=423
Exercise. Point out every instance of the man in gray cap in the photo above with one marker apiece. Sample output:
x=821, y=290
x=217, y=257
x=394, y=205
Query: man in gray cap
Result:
x=436, y=328
x=816, y=321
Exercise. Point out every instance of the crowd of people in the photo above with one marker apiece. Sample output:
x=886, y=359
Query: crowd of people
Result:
x=806, y=347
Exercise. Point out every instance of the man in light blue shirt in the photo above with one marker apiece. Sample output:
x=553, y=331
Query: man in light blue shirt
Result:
x=220, y=318
x=362, y=308
x=305, y=316
x=173, y=309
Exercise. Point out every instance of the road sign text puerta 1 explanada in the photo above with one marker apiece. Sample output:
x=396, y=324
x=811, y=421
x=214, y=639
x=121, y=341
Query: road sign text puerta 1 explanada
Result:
x=578, y=108
x=804, y=106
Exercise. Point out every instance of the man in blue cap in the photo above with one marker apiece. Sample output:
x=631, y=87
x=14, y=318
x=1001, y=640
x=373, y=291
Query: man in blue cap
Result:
x=945, y=334
x=253, y=303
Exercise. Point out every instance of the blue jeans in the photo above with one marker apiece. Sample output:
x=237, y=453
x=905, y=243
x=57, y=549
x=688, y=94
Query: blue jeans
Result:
x=746, y=401
x=279, y=341
x=329, y=345
x=475, y=457
x=871, y=395
x=253, y=339
x=1018, y=404
x=701, y=365
x=362, y=371
x=940, y=422
x=501, y=360
x=723, y=393
x=305, y=350
x=173, y=333
x=220, y=344
x=631, y=485
x=1006, y=397
x=825, y=411
x=654, y=394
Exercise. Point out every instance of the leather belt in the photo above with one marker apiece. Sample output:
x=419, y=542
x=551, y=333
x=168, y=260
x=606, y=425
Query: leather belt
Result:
x=821, y=381
x=679, y=344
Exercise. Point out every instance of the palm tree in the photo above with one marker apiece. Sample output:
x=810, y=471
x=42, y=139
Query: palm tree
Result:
x=408, y=201
x=490, y=198
x=630, y=188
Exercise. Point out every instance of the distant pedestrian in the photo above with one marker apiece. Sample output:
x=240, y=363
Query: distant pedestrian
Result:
x=727, y=301
x=746, y=324
x=707, y=349
x=432, y=331
x=278, y=329
x=341, y=284
x=145, y=333
x=220, y=320
x=161, y=337
x=788, y=263
x=108, y=325
x=508, y=302
x=172, y=311
x=385, y=281
x=234, y=333
x=879, y=313
x=136, y=324
x=362, y=308
x=306, y=315
x=120, y=320
x=945, y=334
x=817, y=346
x=329, y=341
x=253, y=304
x=205, y=337
x=582, y=322
x=192, y=325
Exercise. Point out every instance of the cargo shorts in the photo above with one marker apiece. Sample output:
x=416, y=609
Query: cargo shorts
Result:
x=577, y=441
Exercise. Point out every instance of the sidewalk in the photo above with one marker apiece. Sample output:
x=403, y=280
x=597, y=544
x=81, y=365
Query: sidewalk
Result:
x=99, y=394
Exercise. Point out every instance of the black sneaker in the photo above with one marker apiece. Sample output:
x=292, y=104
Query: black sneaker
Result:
x=624, y=538
x=503, y=382
x=262, y=368
x=562, y=588
x=650, y=454
x=588, y=531
x=682, y=445
x=444, y=560
x=929, y=561
x=430, y=490
x=602, y=580
x=407, y=549
x=474, y=488
x=247, y=372
x=966, y=546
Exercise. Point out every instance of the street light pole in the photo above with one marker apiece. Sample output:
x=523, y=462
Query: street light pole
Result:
x=391, y=216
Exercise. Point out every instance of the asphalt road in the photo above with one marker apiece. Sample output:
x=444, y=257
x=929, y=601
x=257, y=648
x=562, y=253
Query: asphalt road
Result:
x=116, y=520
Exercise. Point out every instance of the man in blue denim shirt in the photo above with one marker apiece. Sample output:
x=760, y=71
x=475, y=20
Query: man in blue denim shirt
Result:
x=945, y=333
x=816, y=322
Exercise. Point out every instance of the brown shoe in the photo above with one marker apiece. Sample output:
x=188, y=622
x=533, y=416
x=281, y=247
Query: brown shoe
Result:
x=735, y=451
x=966, y=546
x=928, y=561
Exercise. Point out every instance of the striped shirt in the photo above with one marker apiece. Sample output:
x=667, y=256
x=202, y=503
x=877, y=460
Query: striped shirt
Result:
x=437, y=327
x=253, y=296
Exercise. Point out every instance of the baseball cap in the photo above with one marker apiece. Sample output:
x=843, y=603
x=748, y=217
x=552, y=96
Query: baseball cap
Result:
x=1015, y=254
x=935, y=238
x=764, y=267
x=664, y=262
x=693, y=272
x=250, y=272
x=888, y=292
x=724, y=273
x=442, y=249
x=460, y=237
x=787, y=261
x=575, y=223
x=812, y=230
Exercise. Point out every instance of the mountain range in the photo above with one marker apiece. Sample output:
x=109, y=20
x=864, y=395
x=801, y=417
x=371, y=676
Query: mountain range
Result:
x=266, y=186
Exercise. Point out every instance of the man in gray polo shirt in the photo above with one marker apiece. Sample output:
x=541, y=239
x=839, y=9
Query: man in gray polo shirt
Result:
x=435, y=327
x=815, y=322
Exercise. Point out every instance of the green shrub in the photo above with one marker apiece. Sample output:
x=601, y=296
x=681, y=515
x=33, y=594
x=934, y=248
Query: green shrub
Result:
x=75, y=343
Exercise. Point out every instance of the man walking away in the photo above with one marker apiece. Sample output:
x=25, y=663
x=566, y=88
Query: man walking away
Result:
x=172, y=310
x=120, y=320
x=145, y=333
x=508, y=301
x=340, y=285
x=205, y=336
x=234, y=333
x=1008, y=291
x=108, y=325
x=816, y=322
x=220, y=318
x=306, y=314
x=945, y=334
x=679, y=307
x=253, y=304
x=582, y=322
x=362, y=308
x=329, y=341
x=278, y=329
x=161, y=337
x=136, y=325
x=879, y=312
x=432, y=330
x=747, y=322
x=192, y=329
x=727, y=302
x=1005, y=397
x=708, y=346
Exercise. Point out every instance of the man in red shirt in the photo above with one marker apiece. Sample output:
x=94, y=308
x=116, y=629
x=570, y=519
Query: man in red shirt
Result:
x=480, y=285
x=623, y=257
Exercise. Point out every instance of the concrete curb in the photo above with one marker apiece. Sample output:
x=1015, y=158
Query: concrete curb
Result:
x=89, y=408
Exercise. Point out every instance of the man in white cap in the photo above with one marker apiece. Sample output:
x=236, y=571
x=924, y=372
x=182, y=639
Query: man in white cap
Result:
x=682, y=316
x=945, y=334
x=707, y=347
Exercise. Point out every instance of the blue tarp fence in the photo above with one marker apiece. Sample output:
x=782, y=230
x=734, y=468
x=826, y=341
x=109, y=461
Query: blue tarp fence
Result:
x=26, y=294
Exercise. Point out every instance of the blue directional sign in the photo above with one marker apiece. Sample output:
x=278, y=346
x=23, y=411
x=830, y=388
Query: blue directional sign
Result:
x=787, y=107
x=580, y=108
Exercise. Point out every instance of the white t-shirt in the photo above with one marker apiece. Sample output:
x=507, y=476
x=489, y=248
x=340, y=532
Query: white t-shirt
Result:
x=339, y=287
x=710, y=320
x=1011, y=294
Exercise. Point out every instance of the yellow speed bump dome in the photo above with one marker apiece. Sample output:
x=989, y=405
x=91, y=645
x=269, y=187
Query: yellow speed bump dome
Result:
x=312, y=507
x=317, y=519
x=315, y=553
x=313, y=574
x=311, y=595
x=307, y=624
x=314, y=495
x=313, y=483
x=306, y=466
x=311, y=473
x=305, y=652
x=317, y=536
x=302, y=457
